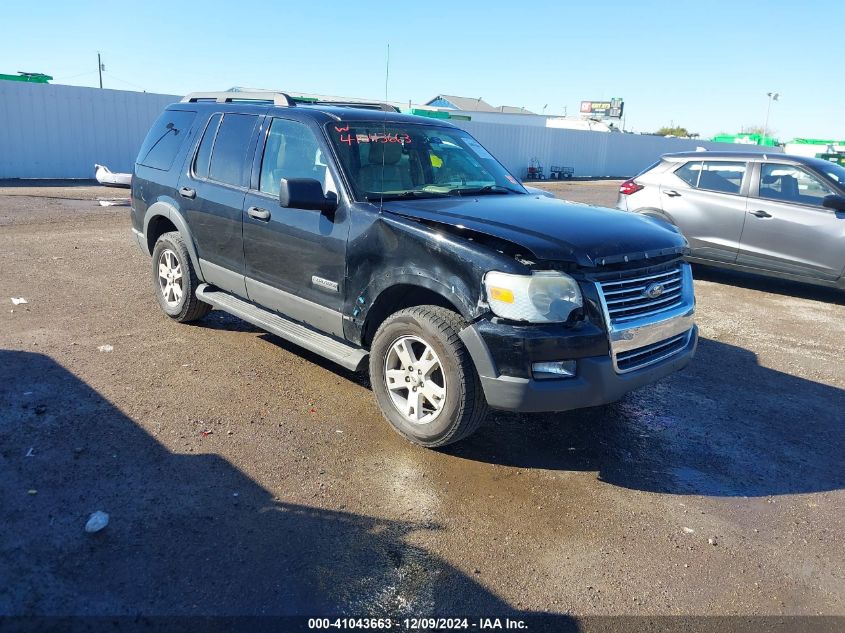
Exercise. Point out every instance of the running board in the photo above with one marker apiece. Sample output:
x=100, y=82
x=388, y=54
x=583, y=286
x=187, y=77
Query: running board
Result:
x=328, y=347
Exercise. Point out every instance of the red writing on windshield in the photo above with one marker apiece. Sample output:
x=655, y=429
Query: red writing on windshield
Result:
x=349, y=138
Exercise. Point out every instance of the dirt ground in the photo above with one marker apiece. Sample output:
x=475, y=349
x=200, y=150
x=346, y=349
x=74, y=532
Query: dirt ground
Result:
x=245, y=476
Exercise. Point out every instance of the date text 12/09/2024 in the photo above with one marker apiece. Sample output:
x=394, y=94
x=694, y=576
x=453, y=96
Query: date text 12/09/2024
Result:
x=417, y=624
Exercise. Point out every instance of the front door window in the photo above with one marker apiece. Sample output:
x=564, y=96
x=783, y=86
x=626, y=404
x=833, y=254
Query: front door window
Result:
x=789, y=183
x=292, y=151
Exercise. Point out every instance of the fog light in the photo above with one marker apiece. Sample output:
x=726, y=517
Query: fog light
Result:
x=554, y=369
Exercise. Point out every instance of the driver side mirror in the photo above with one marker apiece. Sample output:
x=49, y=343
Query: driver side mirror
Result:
x=305, y=193
x=834, y=202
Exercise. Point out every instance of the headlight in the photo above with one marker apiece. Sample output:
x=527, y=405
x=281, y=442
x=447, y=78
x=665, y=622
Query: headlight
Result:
x=543, y=297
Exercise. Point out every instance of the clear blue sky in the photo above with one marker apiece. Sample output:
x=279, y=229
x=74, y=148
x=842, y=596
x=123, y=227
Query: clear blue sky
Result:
x=706, y=65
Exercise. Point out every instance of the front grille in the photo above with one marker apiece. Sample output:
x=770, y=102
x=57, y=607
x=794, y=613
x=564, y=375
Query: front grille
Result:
x=626, y=299
x=642, y=356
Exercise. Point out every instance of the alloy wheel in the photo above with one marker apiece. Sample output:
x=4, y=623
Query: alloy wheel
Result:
x=415, y=379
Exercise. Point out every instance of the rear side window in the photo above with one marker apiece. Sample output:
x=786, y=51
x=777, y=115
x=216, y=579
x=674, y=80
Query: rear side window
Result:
x=229, y=162
x=204, y=152
x=165, y=138
x=722, y=176
x=689, y=173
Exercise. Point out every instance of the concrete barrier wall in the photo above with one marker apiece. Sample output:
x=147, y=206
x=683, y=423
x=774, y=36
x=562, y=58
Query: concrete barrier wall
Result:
x=54, y=131
x=590, y=153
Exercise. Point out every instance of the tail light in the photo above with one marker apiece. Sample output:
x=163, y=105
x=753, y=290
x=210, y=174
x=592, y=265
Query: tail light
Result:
x=628, y=187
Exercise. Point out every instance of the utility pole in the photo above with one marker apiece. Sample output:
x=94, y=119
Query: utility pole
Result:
x=100, y=69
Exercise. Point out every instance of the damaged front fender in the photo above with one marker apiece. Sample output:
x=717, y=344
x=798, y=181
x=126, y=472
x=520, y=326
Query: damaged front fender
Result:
x=389, y=256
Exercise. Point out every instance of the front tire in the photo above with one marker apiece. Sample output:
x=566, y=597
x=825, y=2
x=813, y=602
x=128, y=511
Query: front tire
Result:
x=423, y=377
x=175, y=280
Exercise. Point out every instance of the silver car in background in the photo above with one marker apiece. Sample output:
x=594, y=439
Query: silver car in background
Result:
x=773, y=214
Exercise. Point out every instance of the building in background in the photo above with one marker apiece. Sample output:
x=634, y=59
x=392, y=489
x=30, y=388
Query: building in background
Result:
x=33, y=78
x=826, y=149
x=479, y=111
x=470, y=104
x=747, y=139
x=817, y=148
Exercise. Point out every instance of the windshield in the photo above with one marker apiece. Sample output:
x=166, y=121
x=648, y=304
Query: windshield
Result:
x=416, y=161
x=833, y=171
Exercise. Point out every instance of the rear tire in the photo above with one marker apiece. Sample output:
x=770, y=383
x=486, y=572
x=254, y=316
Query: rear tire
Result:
x=423, y=378
x=175, y=280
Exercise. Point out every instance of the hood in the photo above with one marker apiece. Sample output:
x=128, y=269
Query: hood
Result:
x=552, y=230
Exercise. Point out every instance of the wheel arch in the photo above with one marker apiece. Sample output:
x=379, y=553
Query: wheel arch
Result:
x=161, y=218
x=657, y=214
x=408, y=293
x=462, y=406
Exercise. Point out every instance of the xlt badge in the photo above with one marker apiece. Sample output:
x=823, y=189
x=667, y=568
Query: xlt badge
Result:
x=324, y=283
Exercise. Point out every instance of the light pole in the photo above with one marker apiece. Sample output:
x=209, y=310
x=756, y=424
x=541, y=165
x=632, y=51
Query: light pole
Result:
x=773, y=96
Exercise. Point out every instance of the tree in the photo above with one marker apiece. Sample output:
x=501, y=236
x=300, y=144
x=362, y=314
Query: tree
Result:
x=757, y=129
x=674, y=130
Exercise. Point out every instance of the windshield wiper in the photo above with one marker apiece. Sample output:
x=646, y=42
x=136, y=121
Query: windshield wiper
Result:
x=405, y=194
x=474, y=191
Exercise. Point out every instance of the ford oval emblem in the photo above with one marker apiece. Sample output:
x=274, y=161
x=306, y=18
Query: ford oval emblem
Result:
x=653, y=291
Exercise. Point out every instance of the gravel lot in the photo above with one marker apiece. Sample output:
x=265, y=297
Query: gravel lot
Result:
x=244, y=476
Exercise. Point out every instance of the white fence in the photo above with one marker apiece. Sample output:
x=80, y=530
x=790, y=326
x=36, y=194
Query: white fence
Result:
x=54, y=131
x=589, y=153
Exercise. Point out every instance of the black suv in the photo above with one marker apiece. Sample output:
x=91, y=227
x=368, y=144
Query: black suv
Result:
x=376, y=238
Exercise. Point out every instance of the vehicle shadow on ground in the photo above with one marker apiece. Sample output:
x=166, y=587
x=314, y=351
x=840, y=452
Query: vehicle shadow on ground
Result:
x=189, y=534
x=219, y=320
x=724, y=426
x=773, y=285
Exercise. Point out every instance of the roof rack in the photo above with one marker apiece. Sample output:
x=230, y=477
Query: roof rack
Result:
x=367, y=105
x=282, y=99
x=276, y=98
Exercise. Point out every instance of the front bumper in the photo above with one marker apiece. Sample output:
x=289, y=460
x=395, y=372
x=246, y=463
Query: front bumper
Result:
x=597, y=382
x=611, y=360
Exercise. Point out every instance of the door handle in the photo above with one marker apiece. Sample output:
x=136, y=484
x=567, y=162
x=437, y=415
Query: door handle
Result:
x=187, y=192
x=258, y=214
x=760, y=213
x=672, y=193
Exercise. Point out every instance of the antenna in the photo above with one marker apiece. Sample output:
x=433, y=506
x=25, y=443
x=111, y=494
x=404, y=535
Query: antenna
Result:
x=387, y=71
x=384, y=128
